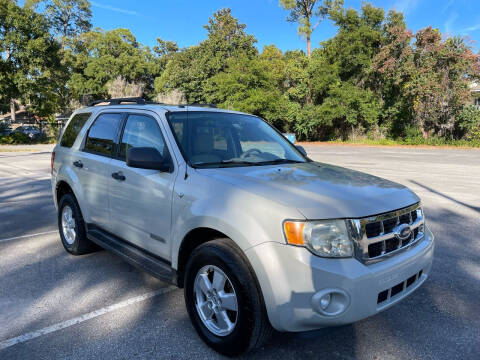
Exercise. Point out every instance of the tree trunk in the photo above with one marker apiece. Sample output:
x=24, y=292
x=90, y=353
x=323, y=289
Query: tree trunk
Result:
x=12, y=111
x=309, y=46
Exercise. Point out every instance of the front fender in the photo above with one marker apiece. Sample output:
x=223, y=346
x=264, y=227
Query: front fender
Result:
x=246, y=218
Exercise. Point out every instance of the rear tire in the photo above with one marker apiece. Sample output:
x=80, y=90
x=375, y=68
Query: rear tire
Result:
x=72, y=227
x=251, y=327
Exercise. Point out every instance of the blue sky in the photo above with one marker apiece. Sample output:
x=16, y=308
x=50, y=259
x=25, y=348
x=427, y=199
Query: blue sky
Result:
x=182, y=20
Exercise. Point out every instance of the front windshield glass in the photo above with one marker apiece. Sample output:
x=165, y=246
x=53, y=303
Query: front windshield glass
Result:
x=216, y=139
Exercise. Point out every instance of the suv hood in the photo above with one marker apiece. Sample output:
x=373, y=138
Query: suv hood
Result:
x=319, y=191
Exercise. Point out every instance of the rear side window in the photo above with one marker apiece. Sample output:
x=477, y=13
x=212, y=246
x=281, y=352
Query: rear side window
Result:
x=73, y=128
x=101, y=136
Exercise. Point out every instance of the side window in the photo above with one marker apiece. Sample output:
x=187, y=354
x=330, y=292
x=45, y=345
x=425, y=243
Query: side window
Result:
x=101, y=136
x=73, y=128
x=141, y=131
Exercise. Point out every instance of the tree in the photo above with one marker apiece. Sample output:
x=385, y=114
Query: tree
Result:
x=251, y=85
x=439, y=81
x=426, y=84
x=164, y=51
x=356, y=43
x=68, y=18
x=392, y=69
x=190, y=69
x=305, y=12
x=338, y=96
x=30, y=64
x=101, y=57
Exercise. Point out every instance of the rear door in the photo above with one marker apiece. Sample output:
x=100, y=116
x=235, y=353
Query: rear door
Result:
x=92, y=166
x=141, y=199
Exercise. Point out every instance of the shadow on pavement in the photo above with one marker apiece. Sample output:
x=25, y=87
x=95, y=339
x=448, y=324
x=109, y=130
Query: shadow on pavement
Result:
x=474, y=208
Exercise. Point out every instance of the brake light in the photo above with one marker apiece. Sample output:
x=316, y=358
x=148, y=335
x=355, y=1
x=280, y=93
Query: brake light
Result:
x=52, y=160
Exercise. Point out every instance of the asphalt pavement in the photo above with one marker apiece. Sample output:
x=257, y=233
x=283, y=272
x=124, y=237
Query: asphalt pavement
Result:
x=57, y=306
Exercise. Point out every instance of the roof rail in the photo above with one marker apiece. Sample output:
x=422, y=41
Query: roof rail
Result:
x=120, y=101
x=199, y=105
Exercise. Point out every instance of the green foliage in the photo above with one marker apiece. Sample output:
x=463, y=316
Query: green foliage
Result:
x=164, y=50
x=67, y=18
x=418, y=141
x=468, y=123
x=473, y=134
x=98, y=57
x=30, y=68
x=424, y=85
x=190, y=69
x=15, y=138
x=374, y=80
x=340, y=99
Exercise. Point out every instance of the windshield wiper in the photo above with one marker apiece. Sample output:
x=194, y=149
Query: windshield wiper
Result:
x=280, y=161
x=228, y=162
x=249, y=163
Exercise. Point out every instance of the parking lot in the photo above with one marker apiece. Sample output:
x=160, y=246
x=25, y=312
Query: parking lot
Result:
x=56, y=306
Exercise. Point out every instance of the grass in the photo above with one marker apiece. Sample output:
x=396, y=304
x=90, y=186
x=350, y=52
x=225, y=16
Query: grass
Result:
x=412, y=142
x=14, y=149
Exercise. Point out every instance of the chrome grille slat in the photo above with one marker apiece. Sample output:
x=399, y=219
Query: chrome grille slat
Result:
x=390, y=235
x=380, y=236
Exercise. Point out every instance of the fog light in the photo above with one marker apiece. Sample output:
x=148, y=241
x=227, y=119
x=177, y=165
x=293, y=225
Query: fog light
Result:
x=325, y=301
x=330, y=302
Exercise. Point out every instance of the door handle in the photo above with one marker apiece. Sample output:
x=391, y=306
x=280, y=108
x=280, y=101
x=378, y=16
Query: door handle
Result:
x=78, y=164
x=118, y=176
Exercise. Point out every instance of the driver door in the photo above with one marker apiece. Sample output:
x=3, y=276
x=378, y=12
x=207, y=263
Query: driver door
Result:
x=140, y=199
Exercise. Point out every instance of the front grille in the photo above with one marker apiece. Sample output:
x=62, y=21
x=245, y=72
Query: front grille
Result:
x=385, y=226
x=397, y=289
x=379, y=236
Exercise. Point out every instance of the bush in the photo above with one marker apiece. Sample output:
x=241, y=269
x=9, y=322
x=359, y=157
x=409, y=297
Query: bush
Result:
x=467, y=123
x=474, y=133
x=15, y=138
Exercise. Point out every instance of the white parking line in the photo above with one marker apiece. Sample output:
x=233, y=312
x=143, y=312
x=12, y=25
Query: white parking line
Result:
x=29, y=235
x=82, y=318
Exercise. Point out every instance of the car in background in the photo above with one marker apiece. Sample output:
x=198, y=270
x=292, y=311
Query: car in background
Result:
x=32, y=132
x=5, y=129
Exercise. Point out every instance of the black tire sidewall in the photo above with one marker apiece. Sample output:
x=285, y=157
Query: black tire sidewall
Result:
x=239, y=340
x=75, y=247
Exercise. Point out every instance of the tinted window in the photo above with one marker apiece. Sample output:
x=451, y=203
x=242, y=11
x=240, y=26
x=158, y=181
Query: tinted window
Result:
x=73, y=128
x=141, y=131
x=101, y=135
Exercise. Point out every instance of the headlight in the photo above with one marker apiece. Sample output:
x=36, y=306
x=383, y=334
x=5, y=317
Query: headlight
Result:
x=328, y=238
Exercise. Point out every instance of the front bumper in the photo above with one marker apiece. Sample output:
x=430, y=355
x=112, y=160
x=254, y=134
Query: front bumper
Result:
x=290, y=277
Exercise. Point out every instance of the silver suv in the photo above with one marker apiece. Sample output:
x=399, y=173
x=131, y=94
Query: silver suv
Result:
x=221, y=204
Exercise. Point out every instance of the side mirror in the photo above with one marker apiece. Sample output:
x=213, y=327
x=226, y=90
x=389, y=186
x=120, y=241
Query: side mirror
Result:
x=147, y=158
x=301, y=149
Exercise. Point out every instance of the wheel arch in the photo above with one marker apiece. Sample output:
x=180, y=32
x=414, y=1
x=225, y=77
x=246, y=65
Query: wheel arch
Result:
x=190, y=242
x=62, y=188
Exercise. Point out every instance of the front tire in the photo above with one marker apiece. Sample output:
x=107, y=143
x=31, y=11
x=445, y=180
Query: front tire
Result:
x=72, y=227
x=223, y=299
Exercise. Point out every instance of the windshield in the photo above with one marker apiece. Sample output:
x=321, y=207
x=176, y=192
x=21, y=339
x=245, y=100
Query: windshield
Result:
x=215, y=139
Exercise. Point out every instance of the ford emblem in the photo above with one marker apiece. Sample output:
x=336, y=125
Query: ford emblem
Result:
x=403, y=232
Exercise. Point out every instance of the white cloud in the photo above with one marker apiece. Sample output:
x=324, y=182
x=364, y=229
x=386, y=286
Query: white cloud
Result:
x=405, y=6
x=447, y=5
x=471, y=28
x=113, y=8
x=448, y=25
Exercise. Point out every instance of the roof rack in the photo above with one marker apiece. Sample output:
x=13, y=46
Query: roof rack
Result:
x=199, y=105
x=141, y=101
x=122, y=101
